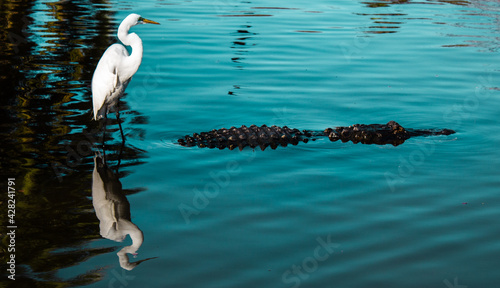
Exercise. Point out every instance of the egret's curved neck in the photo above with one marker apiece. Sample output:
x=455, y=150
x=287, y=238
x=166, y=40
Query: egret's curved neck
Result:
x=135, y=58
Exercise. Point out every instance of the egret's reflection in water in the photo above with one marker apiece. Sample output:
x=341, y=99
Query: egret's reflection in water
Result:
x=113, y=211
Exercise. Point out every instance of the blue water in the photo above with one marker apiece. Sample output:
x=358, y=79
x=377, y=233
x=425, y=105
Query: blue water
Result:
x=319, y=214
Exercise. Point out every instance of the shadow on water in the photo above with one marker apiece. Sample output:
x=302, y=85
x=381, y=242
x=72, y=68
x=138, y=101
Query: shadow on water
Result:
x=388, y=18
x=241, y=46
x=48, y=54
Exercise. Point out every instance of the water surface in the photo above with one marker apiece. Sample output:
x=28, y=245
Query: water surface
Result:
x=321, y=214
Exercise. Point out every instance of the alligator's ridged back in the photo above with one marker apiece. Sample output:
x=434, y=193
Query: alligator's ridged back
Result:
x=274, y=136
x=253, y=136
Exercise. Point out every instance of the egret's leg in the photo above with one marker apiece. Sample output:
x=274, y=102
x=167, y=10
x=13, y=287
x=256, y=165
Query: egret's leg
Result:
x=119, y=122
x=104, y=128
x=120, y=157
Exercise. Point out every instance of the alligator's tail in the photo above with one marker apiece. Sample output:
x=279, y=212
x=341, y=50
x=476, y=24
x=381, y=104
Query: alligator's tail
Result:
x=274, y=136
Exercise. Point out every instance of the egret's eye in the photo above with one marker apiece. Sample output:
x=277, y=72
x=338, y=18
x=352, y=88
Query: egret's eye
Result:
x=140, y=19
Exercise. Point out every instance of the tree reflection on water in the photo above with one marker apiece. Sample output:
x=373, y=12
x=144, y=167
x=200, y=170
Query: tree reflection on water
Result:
x=47, y=59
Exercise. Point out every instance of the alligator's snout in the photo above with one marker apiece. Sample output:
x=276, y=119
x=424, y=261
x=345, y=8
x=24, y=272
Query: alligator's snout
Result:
x=446, y=132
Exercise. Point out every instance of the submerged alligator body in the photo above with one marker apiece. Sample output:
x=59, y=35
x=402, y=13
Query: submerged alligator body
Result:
x=274, y=136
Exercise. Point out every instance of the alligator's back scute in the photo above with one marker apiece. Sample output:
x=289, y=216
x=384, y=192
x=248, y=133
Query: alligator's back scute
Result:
x=274, y=136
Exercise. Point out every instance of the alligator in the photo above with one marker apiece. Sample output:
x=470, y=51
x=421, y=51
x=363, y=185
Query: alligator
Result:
x=274, y=136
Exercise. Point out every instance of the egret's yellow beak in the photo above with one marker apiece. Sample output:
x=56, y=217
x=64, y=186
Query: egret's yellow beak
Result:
x=149, y=21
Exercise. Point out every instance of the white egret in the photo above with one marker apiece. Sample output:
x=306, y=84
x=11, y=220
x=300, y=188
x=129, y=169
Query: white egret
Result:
x=115, y=69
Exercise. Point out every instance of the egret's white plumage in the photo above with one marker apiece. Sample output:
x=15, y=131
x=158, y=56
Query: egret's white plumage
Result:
x=116, y=67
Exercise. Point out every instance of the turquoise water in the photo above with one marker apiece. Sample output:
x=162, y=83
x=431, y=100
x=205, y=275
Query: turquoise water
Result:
x=319, y=214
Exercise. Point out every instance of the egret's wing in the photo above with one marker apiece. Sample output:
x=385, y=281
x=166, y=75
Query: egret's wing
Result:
x=105, y=80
